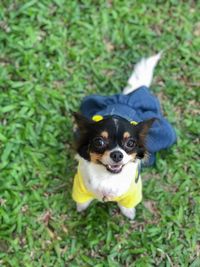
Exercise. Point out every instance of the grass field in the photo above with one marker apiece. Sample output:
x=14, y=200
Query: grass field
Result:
x=53, y=53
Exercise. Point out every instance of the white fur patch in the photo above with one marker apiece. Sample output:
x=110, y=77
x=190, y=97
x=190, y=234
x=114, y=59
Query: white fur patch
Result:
x=82, y=206
x=142, y=74
x=128, y=212
x=106, y=160
x=104, y=184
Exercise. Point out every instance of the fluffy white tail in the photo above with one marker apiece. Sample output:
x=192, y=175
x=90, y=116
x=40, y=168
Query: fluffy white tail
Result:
x=142, y=74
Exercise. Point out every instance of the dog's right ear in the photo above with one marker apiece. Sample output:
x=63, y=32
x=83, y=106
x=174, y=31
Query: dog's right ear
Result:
x=82, y=122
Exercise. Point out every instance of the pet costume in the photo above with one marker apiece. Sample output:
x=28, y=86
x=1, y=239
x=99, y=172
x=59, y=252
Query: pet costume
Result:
x=137, y=106
x=128, y=200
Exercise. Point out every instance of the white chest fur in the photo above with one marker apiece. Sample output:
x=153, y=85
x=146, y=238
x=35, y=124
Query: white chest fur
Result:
x=102, y=183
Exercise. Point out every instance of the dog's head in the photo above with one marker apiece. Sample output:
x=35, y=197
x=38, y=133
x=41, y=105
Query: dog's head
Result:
x=112, y=141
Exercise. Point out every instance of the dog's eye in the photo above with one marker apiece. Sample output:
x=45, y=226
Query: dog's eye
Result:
x=130, y=143
x=98, y=142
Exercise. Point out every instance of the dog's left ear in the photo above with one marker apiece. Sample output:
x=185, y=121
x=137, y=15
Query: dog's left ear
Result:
x=81, y=121
x=143, y=127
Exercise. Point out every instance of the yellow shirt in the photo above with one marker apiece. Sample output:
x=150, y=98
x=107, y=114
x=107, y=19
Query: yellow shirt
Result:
x=128, y=200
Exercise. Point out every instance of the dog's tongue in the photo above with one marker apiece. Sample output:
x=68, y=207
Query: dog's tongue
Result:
x=114, y=168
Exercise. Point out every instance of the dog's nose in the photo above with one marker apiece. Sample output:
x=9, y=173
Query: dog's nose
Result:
x=116, y=156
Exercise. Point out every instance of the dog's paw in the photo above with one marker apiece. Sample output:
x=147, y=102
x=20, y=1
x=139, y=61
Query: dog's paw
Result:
x=128, y=212
x=82, y=206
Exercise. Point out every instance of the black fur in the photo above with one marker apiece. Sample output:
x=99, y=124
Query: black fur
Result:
x=116, y=126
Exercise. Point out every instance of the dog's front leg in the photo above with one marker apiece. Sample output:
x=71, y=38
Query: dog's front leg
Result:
x=83, y=206
x=128, y=212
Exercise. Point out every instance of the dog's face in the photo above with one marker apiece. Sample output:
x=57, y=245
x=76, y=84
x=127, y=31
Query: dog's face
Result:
x=111, y=142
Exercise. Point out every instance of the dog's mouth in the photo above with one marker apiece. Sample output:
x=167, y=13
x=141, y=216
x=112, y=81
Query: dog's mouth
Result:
x=114, y=168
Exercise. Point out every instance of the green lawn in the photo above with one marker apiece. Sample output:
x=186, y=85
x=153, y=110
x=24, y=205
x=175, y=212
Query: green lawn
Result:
x=52, y=54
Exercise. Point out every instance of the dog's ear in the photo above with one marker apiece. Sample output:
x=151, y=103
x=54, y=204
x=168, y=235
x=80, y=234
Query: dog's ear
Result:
x=143, y=127
x=82, y=122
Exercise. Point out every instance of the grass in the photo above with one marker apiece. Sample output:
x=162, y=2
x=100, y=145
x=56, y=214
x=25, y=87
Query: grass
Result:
x=52, y=54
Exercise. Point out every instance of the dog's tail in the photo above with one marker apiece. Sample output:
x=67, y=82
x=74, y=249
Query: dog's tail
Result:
x=142, y=74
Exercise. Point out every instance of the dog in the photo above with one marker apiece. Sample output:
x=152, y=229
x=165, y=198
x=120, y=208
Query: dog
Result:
x=115, y=136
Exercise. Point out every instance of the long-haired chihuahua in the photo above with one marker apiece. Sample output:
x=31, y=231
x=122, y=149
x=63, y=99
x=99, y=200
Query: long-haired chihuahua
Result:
x=115, y=136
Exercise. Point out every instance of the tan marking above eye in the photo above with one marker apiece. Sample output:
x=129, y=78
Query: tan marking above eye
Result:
x=126, y=135
x=104, y=134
